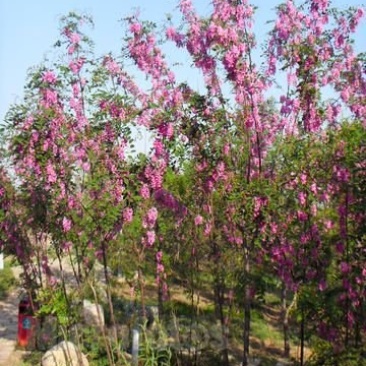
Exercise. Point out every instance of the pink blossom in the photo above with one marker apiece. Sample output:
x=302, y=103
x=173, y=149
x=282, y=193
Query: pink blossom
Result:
x=135, y=28
x=302, y=216
x=356, y=18
x=314, y=188
x=198, y=220
x=159, y=148
x=154, y=173
x=28, y=122
x=341, y=173
x=67, y=245
x=66, y=224
x=226, y=149
x=346, y=94
x=127, y=214
x=328, y=224
x=51, y=174
x=145, y=191
x=238, y=240
x=112, y=67
x=302, y=198
x=170, y=33
x=274, y=228
x=35, y=136
x=344, y=267
x=166, y=199
x=159, y=256
x=71, y=203
x=259, y=202
x=303, y=178
x=159, y=268
x=200, y=167
x=50, y=97
x=173, y=35
x=85, y=166
x=76, y=65
x=322, y=285
x=71, y=49
x=117, y=111
x=207, y=208
x=74, y=38
x=167, y=130
x=49, y=77
x=208, y=229
x=75, y=89
x=150, y=218
x=151, y=237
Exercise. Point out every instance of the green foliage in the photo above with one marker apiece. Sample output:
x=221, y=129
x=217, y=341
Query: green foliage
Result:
x=54, y=302
x=154, y=350
x=7, y=281
x=93, y=346
x=326, y=355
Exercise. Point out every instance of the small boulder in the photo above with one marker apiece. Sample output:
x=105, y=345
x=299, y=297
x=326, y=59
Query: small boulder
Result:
x=64, y=354
x=93, y=314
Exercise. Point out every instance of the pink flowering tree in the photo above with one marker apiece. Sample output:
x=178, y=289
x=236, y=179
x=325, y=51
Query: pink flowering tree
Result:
x=261, y=193
x=67, y=147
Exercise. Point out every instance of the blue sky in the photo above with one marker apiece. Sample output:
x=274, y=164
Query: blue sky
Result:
x=28, y=29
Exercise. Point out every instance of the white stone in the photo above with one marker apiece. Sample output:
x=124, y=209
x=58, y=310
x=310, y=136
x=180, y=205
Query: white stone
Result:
x=93, y=314
x=64, y=354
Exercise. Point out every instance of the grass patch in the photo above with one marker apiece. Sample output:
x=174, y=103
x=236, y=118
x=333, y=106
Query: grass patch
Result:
x=272, y=299
x=262, y=330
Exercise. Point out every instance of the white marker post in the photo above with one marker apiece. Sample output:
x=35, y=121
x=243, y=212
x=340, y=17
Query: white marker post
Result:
x=135, y=347
x=1, y=260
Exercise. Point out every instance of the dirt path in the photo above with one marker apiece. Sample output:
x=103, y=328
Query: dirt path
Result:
x=8, y=327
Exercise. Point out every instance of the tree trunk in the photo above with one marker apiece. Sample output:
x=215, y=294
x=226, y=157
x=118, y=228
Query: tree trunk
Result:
x=302, y=337
x=160, y=300
x=219, y=306
x=247, y=307
x=219, y=293
x=285, y=315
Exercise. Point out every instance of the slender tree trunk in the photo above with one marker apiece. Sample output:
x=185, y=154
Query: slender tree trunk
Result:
x=348, y=303
x=160, y=284
x=111, y=309
x=140, y=282
x=219, y=292
x=286, y=343
x=160, y=300
x=247, y=308
x=302, y=337
x=357, y=335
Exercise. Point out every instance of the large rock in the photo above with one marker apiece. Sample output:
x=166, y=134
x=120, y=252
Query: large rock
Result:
x=64, y=354
x=93, y=314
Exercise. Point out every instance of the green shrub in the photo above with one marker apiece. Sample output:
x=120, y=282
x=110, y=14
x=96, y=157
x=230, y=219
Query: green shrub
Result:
x=325, y=355
x=153, y=350
x=7, y=281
